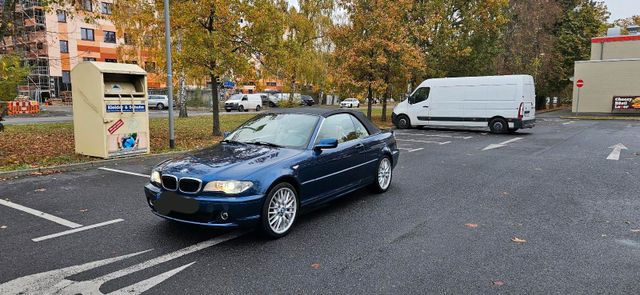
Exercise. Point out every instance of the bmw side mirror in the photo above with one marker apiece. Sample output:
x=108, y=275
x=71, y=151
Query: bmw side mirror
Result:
x=225, y=134
x=326, y=143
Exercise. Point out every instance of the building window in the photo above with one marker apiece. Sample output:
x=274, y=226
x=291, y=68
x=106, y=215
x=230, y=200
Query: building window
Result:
x=64, y=46
x=150, y=66
x=111, y=60
x=62, y=16
x=109, y=37
x=89, y=59
x=105, y=7
x=86, y=34
x=87, y=5
x=66, y=77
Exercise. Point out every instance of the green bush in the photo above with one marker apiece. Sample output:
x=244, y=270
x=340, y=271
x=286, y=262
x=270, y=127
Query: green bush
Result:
x=286, y=103
x=12, y=74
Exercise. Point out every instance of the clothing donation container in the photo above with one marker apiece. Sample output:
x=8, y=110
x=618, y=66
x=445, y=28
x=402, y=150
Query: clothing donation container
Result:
x=110, y=116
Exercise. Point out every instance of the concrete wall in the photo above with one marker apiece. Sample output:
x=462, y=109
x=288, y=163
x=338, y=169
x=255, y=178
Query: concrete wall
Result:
x=615, y=50
x=603, y=80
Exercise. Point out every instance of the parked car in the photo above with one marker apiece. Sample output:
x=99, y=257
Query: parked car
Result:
x=502, y=103
x=243, y=102
x=157, y=101
x=350, y=103
x=273, y=165
x=307, y=100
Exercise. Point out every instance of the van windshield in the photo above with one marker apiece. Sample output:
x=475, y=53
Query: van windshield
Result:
x=235, y=97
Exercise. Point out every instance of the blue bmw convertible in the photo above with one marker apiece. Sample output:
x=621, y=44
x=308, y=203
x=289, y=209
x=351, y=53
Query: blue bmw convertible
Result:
x=265, y=171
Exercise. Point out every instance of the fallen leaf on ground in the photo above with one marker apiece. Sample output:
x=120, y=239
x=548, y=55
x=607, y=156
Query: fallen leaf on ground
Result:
x=518, y=240
x=41, y=190
x=3, y=227
x=635, y=230
x=627, y=222
x=315, y=266
x=505, y=193
x=497, y=283
x=84, y=210
x=471, y=225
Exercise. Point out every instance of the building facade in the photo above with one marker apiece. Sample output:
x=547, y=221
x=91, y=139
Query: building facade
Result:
x=610, y=81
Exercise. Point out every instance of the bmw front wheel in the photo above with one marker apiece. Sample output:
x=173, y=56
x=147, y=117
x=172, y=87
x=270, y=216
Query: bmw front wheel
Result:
x=383, y=175
x=279, y=211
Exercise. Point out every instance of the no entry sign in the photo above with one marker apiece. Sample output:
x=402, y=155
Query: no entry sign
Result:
x=580, y=83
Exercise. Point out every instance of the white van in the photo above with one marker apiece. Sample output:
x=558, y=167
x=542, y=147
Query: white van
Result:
x=502, y=103
x=243, y=102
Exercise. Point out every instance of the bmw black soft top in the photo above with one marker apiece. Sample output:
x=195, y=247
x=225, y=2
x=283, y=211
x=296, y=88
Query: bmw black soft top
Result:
x=373, y=129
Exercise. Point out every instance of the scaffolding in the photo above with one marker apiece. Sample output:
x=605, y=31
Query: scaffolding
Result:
x=28, y=38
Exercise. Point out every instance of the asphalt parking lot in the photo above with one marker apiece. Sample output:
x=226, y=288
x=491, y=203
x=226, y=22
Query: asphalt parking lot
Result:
x=554, y=209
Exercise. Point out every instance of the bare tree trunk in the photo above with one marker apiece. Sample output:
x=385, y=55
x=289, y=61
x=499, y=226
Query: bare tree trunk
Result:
x=370, y=99
x=387, y=93
x=215, y=107
x=182, y=94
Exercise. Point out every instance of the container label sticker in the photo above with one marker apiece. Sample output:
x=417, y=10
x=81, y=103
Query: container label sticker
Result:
x=115, y=126
x=126, y=108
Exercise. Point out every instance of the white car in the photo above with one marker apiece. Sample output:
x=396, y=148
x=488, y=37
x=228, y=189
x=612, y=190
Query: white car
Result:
x=350, y=103
x=158, y=101
x=244, y=102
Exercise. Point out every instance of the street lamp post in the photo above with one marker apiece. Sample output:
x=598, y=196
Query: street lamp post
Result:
x=167, y=38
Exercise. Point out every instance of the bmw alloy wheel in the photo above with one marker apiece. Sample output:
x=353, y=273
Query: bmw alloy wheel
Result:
x=384, y=173
x=282, y=210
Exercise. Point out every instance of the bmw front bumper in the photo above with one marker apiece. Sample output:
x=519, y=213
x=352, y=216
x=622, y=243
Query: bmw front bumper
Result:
x=204, y=209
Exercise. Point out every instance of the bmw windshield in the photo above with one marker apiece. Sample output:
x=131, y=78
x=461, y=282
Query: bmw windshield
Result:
x=278, y=130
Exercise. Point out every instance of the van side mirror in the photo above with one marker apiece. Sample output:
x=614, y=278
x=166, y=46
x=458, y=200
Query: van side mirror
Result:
x=326, y=143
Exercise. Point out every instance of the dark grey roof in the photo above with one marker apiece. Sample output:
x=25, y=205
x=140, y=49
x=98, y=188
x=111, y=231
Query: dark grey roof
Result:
x=326, y=112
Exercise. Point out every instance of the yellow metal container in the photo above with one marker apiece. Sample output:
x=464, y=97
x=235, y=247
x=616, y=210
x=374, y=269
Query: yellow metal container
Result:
x=110, y=117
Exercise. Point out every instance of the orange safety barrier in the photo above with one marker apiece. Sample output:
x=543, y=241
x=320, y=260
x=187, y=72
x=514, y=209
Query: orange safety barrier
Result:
x=23, y=107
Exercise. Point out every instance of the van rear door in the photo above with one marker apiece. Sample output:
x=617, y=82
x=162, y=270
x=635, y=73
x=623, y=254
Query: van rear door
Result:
x=529, y=101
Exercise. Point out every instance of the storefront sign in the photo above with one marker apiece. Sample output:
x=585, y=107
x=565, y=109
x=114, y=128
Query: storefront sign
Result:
x=626, y=103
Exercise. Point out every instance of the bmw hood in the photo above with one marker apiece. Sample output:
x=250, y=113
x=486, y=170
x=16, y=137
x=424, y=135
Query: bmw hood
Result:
x=226, y=161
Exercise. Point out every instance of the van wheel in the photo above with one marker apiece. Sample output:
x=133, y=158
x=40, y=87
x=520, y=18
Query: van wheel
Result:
x=403, y=122
x=257, y=108
x=498, y=126
x=240, y=108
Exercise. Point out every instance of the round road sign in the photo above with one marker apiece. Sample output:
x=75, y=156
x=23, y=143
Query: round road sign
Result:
x=580, y=83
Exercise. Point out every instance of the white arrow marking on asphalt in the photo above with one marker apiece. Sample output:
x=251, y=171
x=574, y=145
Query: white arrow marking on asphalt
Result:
x=615, y=154
x=55, y=282
x=499, y=145
x=567, y=123
x=124, y=172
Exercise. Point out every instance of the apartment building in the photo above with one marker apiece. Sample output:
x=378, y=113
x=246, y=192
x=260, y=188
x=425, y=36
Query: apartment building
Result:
x=54, y=40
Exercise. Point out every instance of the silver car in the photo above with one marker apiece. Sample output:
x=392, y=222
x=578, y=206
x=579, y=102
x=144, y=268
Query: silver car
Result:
x=159, y=102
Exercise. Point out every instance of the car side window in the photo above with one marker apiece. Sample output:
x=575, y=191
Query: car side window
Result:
x=340, y=127
x=420, y=95
x=245, y=98
x=361, y=131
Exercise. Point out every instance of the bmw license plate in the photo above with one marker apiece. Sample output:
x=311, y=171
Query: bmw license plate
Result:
x=171, y=201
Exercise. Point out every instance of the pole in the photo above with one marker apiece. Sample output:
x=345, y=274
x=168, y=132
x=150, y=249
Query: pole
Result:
x=167, y=38
x=578, y=103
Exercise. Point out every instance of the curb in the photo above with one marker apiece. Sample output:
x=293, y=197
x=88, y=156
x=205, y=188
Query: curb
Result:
x=603, y=118
x=80, y=166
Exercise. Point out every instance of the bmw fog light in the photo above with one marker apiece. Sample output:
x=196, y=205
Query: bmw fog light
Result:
x=228, y=187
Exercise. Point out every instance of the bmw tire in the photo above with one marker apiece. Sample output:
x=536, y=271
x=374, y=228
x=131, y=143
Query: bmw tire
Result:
x=383, y=175
x=280, y=211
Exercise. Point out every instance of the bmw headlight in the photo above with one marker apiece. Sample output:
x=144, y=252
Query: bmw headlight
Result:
x=155, y=178
x=228, y=186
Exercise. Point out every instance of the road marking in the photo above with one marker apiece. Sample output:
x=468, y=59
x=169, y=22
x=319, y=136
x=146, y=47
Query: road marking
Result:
x=411, y=150
x=499, y=145
x=567, y=123
x=56, y=282
x=40, y=214
x=615, y=154
x=436, y=135
x=124, y=172
x=424, y=141
x=75, y=230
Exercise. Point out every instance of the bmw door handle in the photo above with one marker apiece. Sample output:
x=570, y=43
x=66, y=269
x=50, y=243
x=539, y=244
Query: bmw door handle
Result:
x=426, y=107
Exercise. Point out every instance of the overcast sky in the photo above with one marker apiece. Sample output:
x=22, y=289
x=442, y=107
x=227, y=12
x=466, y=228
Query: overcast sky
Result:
x=623, y=8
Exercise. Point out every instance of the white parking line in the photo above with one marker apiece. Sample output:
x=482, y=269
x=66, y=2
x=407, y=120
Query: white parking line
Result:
x=411, y=150
x=424, y=141
x=75, y=230
x=499, y=145
x=40, y=214
x=436, y=135
x=124, y=172
x=567, y=123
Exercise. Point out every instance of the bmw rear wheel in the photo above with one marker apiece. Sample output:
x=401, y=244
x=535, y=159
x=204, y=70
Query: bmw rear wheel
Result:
x=384, y=175
x=280, y=211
